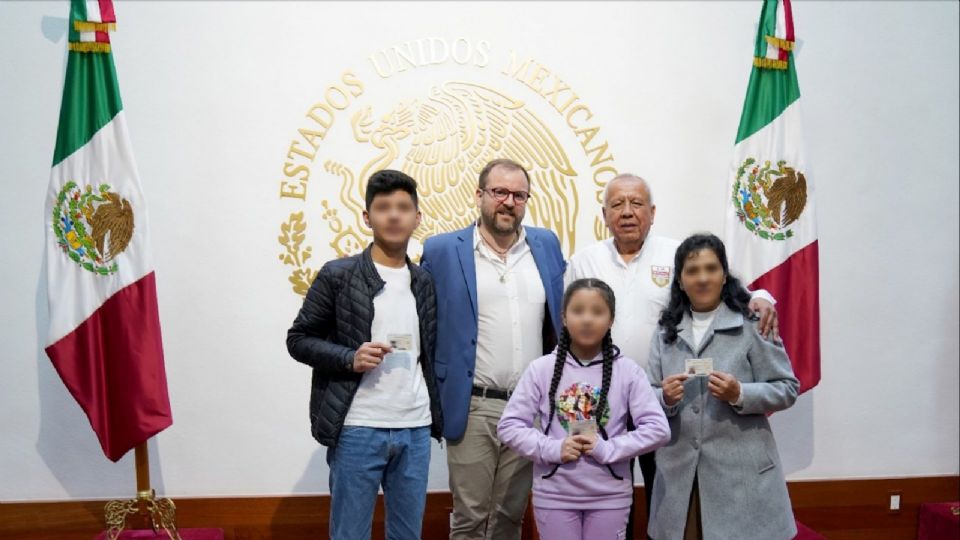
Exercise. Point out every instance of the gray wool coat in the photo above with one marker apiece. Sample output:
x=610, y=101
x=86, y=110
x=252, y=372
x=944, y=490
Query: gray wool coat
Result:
x=743, y=493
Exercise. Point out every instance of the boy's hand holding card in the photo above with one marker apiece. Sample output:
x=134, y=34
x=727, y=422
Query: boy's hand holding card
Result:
x=400, y=342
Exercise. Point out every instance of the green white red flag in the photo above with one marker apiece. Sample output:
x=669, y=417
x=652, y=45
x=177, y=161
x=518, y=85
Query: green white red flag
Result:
x=770, y=229
x=104, y=336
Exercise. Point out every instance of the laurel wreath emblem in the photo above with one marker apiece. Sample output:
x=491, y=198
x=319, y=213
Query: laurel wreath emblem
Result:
x=292, y=234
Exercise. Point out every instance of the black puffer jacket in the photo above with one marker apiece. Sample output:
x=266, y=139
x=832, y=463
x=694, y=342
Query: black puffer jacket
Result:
x=335, y=320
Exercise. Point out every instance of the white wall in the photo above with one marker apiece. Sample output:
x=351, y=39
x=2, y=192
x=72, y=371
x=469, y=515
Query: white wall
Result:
x=214, y=92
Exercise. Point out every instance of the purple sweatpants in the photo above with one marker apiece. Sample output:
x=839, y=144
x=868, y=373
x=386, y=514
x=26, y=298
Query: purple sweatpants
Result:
x=581, y=524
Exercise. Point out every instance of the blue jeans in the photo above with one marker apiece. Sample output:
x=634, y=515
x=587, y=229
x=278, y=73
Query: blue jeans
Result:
x=363, y=460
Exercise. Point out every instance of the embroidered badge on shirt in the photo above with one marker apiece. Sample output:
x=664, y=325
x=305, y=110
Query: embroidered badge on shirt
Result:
x=660, y=275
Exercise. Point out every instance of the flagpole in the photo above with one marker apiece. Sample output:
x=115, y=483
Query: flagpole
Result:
x=161, y=511
x=142, y=457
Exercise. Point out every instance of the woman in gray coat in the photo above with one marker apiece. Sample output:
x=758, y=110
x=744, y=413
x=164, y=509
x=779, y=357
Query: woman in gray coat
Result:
x=717, y=379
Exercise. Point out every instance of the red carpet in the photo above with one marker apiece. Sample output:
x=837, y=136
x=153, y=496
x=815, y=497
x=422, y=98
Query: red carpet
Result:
x=939, y=521
x=185, y=534
x=806, y=533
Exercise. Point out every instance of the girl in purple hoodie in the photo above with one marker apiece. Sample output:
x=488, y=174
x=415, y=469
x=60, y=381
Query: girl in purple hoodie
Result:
x=580, y=414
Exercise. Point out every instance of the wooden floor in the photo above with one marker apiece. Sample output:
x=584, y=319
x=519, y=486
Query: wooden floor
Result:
x=837, y=509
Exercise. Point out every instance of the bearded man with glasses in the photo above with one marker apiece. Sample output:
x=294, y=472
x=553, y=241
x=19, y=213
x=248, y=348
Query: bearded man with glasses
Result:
x=499, y=286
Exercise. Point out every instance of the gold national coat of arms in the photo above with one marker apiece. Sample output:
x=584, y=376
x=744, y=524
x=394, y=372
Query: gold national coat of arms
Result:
x=442, y=136
x=451, y=135
x=443, y=141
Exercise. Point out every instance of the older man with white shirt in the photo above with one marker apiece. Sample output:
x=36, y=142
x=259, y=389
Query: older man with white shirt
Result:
x=638, y=267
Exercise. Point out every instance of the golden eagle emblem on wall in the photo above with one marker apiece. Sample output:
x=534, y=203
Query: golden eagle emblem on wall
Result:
x=443, y=141
x=768, y=199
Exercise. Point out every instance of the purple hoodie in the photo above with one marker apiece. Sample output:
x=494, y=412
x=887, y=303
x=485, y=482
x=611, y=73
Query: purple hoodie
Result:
x=586, y=483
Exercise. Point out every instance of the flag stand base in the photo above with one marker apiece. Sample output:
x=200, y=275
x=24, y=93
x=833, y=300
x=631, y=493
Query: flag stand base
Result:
x=162, y=511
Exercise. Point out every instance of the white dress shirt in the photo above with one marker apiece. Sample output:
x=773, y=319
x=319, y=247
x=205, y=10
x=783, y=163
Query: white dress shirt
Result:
x=511, y=305
x=641, y=288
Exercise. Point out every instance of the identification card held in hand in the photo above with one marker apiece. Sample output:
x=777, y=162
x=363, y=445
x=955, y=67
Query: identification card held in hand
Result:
x=582, y=427
x=400, y=342
x=701, y=367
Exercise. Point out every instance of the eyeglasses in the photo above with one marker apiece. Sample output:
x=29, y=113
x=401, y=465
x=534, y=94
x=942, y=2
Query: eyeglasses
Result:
x=501, y=194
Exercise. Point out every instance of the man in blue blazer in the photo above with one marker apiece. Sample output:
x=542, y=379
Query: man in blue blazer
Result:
x=499, y=287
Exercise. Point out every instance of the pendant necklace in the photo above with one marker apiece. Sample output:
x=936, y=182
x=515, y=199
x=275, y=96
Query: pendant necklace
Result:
x=502, y=254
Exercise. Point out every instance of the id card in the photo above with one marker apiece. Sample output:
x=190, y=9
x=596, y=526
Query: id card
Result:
x=400, y=342
x=581, y=427
x=700, y=367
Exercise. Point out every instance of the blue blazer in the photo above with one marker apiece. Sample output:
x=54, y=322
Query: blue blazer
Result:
x=449, y=258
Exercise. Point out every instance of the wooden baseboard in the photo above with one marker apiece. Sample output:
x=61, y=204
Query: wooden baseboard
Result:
x=838, y=509
x=859, y=509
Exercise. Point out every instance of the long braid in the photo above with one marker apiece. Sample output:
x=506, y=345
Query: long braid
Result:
x=563, y=346
x=608, y=355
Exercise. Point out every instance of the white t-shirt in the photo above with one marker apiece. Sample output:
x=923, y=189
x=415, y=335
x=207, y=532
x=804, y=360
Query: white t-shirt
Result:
x=394, y=394
x=700, y=322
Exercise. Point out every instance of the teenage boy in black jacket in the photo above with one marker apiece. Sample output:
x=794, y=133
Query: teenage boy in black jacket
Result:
x=368, y=329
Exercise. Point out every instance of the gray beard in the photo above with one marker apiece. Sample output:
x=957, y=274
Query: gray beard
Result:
x=492, y=223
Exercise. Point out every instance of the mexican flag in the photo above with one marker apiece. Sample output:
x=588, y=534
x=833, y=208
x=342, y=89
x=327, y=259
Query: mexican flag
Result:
x=104, y=337
x=770, y=229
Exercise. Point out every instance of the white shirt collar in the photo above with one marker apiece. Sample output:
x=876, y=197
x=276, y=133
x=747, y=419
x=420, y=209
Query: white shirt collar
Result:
x=480, y=245
x=618, y=259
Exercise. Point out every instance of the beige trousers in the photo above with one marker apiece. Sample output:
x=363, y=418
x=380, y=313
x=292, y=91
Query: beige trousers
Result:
x=490, y=482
